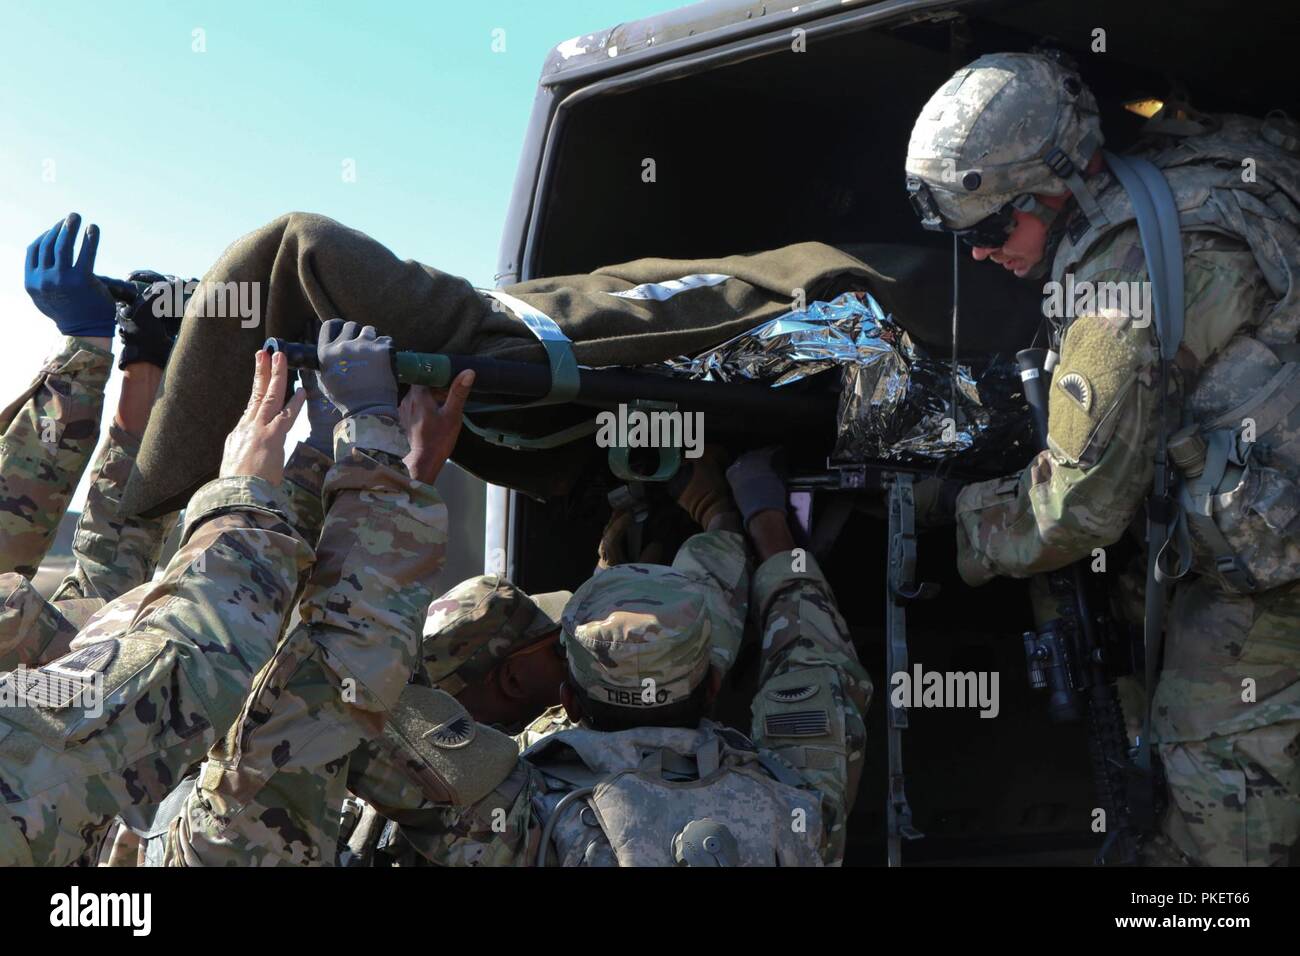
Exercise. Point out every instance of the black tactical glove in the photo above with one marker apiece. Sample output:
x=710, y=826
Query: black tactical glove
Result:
x=149, y=325
x=356, y=369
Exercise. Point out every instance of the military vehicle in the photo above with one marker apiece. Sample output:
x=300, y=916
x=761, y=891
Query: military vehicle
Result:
x=772, y=123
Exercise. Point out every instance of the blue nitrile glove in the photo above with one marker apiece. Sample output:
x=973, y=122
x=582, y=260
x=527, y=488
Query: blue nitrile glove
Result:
x=356, y=369
x=68, y=292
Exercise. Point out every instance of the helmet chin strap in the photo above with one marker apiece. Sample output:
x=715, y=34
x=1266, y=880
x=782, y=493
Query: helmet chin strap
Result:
x=1055, y=232
x=1031, y=205
x=1069, y=170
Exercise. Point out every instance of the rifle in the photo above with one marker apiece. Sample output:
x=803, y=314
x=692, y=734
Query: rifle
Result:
x=1074, y=658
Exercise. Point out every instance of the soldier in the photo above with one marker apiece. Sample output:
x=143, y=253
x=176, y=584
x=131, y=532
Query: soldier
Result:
x=496, y=650
x=52, y=427
x=603, y=790
x=157, y=674
x=333, y=682
x=112, y=554
x=641, y=675
x=50, y=430
x=1007, y=156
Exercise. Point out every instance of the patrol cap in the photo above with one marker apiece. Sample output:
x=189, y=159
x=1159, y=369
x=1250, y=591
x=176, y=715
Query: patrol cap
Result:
x=1005, y=125
x=479, y=622
x=638, y=636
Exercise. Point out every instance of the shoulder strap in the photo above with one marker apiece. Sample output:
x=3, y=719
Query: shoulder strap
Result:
x=1157, y=219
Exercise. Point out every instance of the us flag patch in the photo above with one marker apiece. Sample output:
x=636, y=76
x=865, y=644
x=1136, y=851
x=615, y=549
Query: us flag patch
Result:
x=799, y=723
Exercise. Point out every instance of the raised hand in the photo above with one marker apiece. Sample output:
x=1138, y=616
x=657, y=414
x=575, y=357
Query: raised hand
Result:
x=68, y=291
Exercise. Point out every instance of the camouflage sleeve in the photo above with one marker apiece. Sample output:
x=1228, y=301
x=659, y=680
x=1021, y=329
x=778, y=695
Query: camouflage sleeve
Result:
x=719, y=558
x=304, y=485
x=813, y=693
x=1088, y=485
x=49, y=433
x=172, y=661
x=113, y=554
x=32, y=630
x=272, y=791
x=458, y=791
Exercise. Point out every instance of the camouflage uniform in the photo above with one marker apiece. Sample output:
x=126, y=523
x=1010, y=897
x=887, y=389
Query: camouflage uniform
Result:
x=468, y=631
x=636, y=622
x=270, y=792
x=50, y=432
x=113, y=554
x=175, y=659
x=1230, y=758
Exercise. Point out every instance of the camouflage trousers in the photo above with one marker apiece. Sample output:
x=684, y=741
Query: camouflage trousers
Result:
x=1227, y=724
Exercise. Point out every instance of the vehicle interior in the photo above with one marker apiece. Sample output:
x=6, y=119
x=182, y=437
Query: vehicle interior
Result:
x=786, y=147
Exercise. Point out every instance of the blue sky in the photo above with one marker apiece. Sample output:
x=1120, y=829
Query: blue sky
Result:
x=108, y=110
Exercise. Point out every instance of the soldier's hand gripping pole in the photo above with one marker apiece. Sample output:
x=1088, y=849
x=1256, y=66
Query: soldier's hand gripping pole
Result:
x=1070, y=657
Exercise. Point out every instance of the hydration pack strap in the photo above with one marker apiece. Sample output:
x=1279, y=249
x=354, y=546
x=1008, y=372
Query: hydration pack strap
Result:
x=1157, y=219
x=1196, y=496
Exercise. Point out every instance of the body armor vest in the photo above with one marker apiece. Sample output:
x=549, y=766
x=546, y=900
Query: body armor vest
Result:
x=630, y=799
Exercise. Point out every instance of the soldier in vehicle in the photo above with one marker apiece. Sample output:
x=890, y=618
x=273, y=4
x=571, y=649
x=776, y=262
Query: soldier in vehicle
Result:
x=1007, y=156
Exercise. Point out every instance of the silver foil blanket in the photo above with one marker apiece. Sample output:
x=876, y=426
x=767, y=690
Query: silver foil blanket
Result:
x=895, y=401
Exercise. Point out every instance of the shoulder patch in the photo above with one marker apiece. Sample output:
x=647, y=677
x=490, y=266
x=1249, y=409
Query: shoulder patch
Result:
x=69, y=678
x=454, y=733
x=1078, y=388
x=91, y=659
x=791, y=695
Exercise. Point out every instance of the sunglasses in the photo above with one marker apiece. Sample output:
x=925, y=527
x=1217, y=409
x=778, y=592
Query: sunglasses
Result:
x=989, y=233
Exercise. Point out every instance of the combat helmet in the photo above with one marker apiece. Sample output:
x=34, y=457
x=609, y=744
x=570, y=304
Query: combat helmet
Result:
x=1003, y=128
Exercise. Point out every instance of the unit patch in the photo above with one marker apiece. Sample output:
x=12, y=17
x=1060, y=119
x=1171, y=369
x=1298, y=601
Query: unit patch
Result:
x=791, y=695
x=453, y=734
x=1077, y=387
